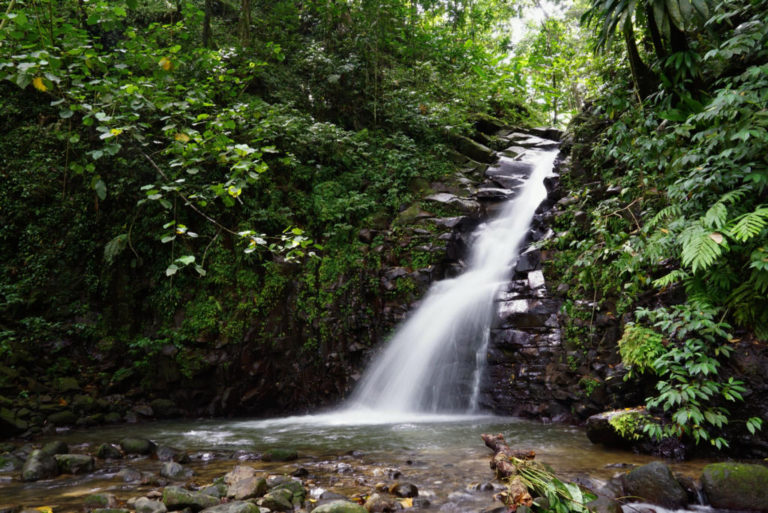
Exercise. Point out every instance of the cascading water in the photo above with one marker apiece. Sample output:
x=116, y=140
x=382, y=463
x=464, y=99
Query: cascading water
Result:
x=434, y=360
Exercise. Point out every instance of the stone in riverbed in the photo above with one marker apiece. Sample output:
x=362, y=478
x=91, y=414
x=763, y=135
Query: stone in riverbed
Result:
x=56, y=447
x=279, y=454
x=62, y=418
x=108, y=452
x=604, y=505
x=140, y=446
x=175, y=497
x=10, y=462
x=737, y=486
x=654, y=483
x=100, y=500
x=277, y=501
x=74, y=463
x=376, y=503
x=111, y=510
x=404, y=490
x=233, y=507
x=247, y=488
x=146, y=505
x=340, y=507
x=39, y=466
x=175, y=471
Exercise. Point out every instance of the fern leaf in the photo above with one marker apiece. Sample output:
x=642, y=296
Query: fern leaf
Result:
x=716, y=216
x=701, y=247
x=750, y=224
x=665, y=213
x=675, y=276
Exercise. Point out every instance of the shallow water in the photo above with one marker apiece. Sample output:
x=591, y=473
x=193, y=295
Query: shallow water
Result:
x=345, y=453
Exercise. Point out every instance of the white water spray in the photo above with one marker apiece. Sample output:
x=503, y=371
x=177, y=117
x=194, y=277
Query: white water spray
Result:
x=434, y=361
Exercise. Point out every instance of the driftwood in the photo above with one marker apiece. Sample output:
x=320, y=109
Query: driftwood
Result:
x=503, y=454
x=503, y=463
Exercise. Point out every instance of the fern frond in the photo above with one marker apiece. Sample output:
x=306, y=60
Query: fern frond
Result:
x=665, y=213
x=675, y=276
x=749, y=225
x=701, y=247
x=716, y=216
x=736, y=195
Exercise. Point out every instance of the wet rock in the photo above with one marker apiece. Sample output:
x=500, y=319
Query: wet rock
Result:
x=738, y=486
x=74, y=463
x=10, y=462
x=62, y=418
x=604, y=505
x=174, y=471
x=275, y=480
x=233, y=507
x=280, y=454
x=129, y=475
x=340, y=507
x=528, y=261
x=247, y=488
x=654, y=483
x=600, y=430
x=108, y=452
x=55, y=447
x=377, y=503
x=139, y=446
x=551, y=133
x=463, y=204
x=111, y=510
x=296, y=489
x=39, y=466
x=101, y=500
x=404, y=490
x=175, y=497
x=165, y=453
x=494, y=193
x=276, y=502
x=146, y=505
x=473, y=149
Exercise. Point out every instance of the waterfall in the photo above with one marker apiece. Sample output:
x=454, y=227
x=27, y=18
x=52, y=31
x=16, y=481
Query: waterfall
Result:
x=434, y=360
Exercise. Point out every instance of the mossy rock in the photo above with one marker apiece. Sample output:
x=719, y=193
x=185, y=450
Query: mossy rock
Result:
x=279, y=454
x=100, y=500
x=108, y=452
x=74, y=463
x=738, y=486
x=55, y=447
x=234, y=507
x=140, y=446
x=175, y=497
x=654, y=483
x=63, y=418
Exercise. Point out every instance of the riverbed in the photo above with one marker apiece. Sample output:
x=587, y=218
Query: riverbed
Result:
x=344, y=453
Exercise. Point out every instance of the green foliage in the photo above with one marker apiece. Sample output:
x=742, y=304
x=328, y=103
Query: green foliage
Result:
x=640, y=347
x=629, y=425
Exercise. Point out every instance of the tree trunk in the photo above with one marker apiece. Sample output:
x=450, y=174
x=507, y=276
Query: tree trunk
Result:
x=641, y=73
x=653, y=28
x=207, y=24
x=245, y=22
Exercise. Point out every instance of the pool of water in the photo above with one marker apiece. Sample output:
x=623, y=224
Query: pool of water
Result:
x=347, y=453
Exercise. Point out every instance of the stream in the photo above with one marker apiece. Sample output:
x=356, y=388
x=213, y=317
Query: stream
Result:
x=442, y=455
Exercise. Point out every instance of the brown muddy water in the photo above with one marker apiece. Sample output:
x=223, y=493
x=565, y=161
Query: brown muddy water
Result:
x=346, y=454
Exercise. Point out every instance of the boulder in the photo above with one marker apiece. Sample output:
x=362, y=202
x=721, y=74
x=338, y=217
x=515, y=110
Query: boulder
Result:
x=146, y=505
x=280, y=454
x=74, y=463
x=39, y=466
x=654, y=483
x=739, y=486
x=55, y=447
x=600, y=429
x=377, y=503
x=473, y=149
x=340, y=507
x=233, y=507
x=165, y=453
x=174, y=471
x=175, y=497
x=108, y=452
x=10, y=462
x=247, y=488
x=140, y=446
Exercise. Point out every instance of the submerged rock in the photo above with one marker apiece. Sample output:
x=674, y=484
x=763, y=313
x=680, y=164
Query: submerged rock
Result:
x=654, y=483
x=340, y=507
x=737, y=486
x=101, y=500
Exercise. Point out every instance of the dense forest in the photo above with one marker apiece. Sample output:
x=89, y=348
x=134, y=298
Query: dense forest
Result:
x=204, y=195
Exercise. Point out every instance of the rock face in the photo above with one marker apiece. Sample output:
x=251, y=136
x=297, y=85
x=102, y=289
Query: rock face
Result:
x=736, y=486
x=654, y=483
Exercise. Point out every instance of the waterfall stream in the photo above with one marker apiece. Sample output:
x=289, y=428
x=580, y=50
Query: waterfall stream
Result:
x=434, y=360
